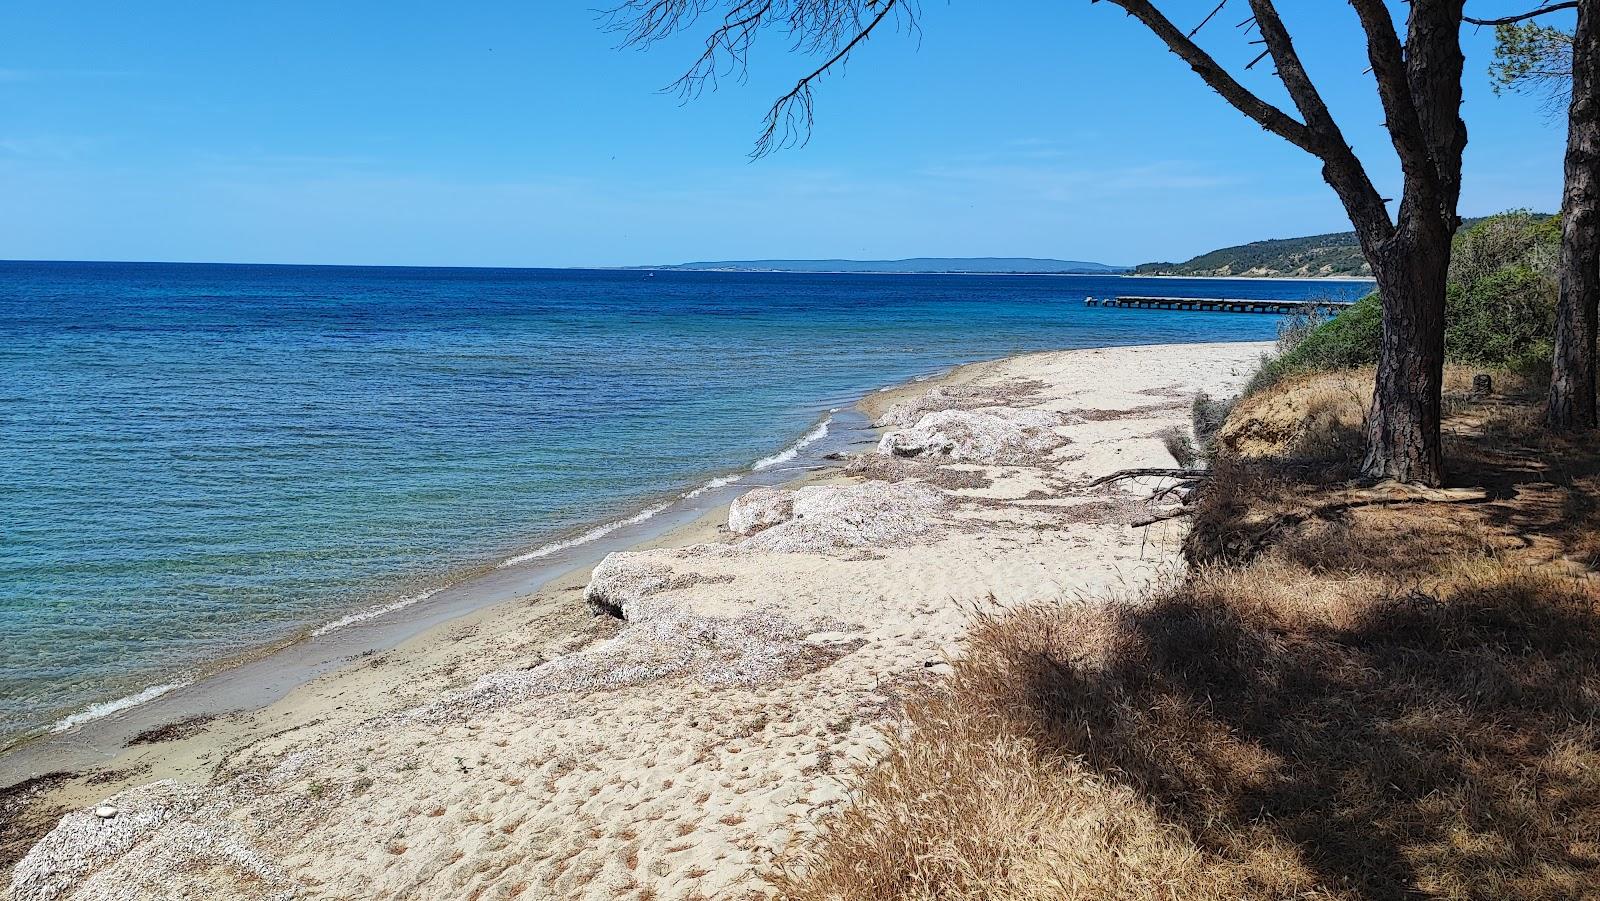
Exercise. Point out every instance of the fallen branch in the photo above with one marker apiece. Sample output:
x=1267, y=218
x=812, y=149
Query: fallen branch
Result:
x=1185, y=474
x=1174, y=487
x=1162, y=517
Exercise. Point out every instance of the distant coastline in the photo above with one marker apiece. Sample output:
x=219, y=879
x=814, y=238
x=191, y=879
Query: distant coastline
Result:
x=1108, y=274
x=909, y=266
x=1257, y=278
x=1014, y=266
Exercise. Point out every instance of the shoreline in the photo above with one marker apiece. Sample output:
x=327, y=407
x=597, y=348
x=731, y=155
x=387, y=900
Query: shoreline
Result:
x=95, y=734
x=542, y=621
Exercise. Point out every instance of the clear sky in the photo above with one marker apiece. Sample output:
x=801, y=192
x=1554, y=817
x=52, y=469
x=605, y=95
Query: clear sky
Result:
x=513, y=132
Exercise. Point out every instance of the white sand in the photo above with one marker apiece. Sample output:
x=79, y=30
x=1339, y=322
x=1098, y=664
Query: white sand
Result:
x=536, y=751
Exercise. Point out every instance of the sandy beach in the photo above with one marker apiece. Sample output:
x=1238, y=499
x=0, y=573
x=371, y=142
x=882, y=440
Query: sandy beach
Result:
x=664, y=724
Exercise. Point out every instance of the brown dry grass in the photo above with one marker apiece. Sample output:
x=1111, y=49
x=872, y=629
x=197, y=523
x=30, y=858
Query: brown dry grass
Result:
x=1314, y=418
x=1369, y=693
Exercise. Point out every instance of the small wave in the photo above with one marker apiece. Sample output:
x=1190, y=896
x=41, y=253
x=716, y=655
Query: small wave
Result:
x=793, y=450
x=99, y=711
x=594, y=534
x=816, y=434
x=364, y=615
x=714, y=484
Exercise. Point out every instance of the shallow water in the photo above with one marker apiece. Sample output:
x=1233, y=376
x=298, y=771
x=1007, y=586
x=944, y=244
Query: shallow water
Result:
x=201, y=459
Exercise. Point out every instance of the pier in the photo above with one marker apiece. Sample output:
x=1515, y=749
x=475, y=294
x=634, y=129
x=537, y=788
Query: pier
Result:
x=1220, y=305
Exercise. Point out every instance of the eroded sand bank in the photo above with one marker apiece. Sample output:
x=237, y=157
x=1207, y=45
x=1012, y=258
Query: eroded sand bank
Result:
x=539, y=750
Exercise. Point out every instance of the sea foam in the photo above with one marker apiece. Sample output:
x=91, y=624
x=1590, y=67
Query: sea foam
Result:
x=102, y=710
x=373, y=613
x=594, y=534
x=817, y=433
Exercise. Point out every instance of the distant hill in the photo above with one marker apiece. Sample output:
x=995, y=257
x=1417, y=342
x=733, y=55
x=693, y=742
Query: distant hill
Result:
x=997, y=265
x=1318, y=256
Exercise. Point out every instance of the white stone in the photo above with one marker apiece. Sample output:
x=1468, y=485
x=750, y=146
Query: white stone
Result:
x=871, y=514
x=622, y=579
x=997, y=435
x=760, y=508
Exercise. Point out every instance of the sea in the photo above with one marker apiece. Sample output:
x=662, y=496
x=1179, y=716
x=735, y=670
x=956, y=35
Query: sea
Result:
x=198, y=461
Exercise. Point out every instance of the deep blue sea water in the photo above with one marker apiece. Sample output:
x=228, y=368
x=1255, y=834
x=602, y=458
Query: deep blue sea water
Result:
x=198, y=459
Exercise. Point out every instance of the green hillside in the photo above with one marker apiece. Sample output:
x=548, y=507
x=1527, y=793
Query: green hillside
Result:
x=1318, y=256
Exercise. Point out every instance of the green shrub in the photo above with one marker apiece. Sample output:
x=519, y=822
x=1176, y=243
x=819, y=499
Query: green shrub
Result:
x=1507, y=318
x=1514, y=239
x=1500, y=309
x=1348, y=339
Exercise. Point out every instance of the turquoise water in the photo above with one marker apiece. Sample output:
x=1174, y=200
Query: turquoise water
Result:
x=199, y=459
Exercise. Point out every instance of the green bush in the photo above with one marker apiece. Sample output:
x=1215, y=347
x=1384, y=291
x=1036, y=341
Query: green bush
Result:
x=1348, y=339
x=1500, y=309
x=1507, y=318
x=1513, y=239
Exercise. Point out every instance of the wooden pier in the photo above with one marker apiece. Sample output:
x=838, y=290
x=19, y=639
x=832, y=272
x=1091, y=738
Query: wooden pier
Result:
x=1219, y=305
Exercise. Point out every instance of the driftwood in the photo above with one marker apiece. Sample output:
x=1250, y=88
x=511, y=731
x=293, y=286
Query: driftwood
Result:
x=1187, y=485
x=1187, y=475
x=1161, y=517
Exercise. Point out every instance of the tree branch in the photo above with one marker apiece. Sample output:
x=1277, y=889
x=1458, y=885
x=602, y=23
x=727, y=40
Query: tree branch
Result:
x=1208, y=18
x=1163, y=472
x=1520, y=17
x=1434, y=65
x=1292, y=72
x=1341, y=169
x=823, y=28
x=784, y=110
x=1263, y=113
x=1161, y=517
x=1394, y=89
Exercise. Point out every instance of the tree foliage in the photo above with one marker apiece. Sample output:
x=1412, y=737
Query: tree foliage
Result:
x=1530, y=58
x=829, y=30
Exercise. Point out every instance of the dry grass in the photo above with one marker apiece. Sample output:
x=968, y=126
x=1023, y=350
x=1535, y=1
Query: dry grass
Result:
x=1370, y=693
x=1315, y=418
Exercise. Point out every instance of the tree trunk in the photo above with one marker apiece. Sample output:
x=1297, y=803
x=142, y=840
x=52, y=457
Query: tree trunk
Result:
x=1403, y=425
x=1572, y=374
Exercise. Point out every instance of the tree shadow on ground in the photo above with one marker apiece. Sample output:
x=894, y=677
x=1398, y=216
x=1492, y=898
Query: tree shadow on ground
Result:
x=1409, y=745
x=1403, y=687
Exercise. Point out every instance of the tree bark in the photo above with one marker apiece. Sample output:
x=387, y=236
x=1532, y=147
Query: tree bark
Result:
x=1572, y=375
x=1419, y=84
x=1403, y=440
x=1411, y=268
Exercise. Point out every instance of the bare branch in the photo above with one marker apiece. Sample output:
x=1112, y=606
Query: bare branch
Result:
x=827, y=28
x=1141, y=472
x=1394, y=89
x=1531, y=14
x=1342, y=170
x=1161, y=517
x=782, y=118
x=1208, y=18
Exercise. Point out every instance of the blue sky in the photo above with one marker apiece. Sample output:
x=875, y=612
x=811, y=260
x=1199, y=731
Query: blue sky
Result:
x=508, y=132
